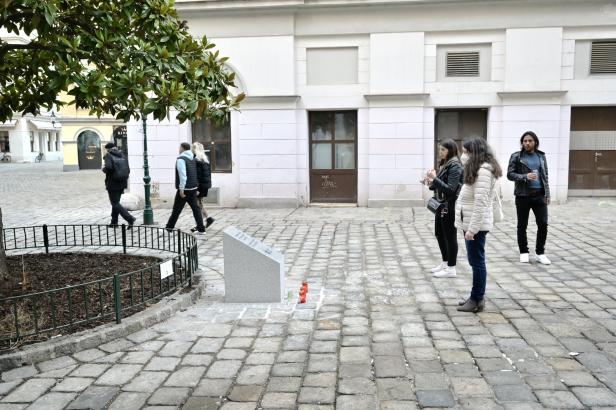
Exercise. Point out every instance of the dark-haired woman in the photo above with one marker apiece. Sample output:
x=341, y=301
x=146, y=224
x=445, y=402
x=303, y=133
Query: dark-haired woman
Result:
x=446, y=185
x=474, y=213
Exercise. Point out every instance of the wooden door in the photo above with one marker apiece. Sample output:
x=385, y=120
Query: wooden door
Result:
x=592, y=154
x=333, y=156
x=89, y=150
x=459, y=124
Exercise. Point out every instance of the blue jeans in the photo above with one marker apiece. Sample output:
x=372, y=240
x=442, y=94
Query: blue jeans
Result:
x=476, y=253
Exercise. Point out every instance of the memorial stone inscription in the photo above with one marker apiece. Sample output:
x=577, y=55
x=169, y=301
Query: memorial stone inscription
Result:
x=254, y=272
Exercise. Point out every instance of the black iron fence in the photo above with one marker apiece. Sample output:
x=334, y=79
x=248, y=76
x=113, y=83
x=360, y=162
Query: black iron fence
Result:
x=53, y=311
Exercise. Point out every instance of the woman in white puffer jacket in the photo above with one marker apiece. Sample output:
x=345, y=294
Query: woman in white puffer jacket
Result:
x=474, y=213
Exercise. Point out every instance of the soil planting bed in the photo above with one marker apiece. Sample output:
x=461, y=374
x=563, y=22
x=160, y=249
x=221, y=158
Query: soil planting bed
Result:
x=41, y=273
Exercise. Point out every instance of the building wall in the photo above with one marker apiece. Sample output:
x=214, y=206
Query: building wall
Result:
x=531, y=77
x=20, y=131
x=70, y=133
x=74, y=122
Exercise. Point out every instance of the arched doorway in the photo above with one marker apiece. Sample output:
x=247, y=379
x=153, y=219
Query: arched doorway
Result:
x=89, y=150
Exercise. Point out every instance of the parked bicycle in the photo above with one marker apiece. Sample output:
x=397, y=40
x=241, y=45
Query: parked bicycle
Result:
x=40, y=157
x=5, y=157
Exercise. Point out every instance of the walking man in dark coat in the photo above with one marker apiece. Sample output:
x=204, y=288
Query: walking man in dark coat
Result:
x=116, y=177
x=186, y=184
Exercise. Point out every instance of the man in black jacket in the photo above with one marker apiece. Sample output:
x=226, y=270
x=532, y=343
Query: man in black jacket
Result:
x=116, y=176
x=529, y=169
x=186, y=184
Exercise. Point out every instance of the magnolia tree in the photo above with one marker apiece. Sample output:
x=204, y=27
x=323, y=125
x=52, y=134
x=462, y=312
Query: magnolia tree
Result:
x=127, y=58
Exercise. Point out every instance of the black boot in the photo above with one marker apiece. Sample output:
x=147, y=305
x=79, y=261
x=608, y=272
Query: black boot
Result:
x=472, y=306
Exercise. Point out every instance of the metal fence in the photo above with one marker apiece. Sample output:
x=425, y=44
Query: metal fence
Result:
x=50, y=312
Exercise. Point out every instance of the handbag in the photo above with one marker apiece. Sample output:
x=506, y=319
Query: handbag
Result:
x=434, y=205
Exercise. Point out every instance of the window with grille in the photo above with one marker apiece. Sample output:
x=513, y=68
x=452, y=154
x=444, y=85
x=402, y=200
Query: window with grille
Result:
x=603, y=57
x=462, y=64
x=217, y=139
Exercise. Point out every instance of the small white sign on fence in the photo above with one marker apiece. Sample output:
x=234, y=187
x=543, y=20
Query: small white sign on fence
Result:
x=166, y=269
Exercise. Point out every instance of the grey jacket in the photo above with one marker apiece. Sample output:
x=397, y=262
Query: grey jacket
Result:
x=518, y=169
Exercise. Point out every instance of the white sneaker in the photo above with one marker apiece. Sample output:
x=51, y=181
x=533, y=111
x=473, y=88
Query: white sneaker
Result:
x=448, y=272
x=542, y=259
x=524, y=258
x=439, y=267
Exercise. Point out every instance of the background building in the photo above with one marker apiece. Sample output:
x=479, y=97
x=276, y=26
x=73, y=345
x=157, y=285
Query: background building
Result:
x=348, y=99
x=84, y=136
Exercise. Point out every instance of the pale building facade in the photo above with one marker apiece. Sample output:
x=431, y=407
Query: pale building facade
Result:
x=84, y=137
x=23, y=138
x=348, y=99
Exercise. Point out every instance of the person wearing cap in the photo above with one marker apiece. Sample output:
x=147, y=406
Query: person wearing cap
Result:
x=116, y=180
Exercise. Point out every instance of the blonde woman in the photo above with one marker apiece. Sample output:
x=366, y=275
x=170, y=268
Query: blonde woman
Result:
x=204, y=176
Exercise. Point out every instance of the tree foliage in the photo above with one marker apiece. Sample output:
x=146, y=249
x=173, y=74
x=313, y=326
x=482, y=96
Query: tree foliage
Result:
x=127, y=58
x=119, y=57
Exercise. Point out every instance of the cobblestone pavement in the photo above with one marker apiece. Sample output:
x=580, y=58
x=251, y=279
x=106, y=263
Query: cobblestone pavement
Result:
x=378, y=330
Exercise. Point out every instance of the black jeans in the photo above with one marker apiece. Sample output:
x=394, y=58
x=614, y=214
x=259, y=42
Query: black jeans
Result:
x=523, y=206
x=117, y=209
x=178, y=205
x=446, y=234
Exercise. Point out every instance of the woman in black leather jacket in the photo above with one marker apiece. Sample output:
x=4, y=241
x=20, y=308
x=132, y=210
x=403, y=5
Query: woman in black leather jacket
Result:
x=446, y=185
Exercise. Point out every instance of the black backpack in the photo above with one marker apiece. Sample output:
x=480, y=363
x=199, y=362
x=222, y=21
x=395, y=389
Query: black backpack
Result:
x=204, y=175
x=121, y=170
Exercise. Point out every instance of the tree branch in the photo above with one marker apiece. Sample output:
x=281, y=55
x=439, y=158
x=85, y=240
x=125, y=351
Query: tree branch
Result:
x=5, y=48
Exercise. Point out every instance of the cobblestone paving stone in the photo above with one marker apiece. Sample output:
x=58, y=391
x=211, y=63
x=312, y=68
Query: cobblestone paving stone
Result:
x=377, y=331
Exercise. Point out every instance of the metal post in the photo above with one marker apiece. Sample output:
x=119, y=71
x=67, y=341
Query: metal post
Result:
x=148, y=214
x=46, y=238
x=117, y=298
x=179, y=242
x=124, y=238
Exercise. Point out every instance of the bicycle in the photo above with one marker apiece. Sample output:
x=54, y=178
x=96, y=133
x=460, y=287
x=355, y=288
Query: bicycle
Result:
x=40, y=157
x=5, y=157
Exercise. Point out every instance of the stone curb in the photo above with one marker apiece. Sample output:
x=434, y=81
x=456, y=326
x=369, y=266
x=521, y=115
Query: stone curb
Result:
x=88, y=339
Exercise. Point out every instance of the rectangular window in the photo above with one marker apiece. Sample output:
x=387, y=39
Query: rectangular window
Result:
x=4, y=141
x=48, y=138
x=603, y=57
x=57, y=141
x=331, y=66
x=217, y=139
x=32, y=141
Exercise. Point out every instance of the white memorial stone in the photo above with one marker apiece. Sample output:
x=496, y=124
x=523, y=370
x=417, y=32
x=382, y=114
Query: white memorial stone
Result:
x=254, y=272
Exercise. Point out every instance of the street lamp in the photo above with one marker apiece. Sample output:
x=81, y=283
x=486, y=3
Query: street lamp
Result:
x=148, y=214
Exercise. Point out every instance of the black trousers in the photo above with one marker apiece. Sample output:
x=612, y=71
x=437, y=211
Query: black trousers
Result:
x=117, y=209
x=523, y=206
x=178, y=205
x=446, y=234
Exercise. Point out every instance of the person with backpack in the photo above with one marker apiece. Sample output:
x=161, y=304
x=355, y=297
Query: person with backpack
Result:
x=446, y=186
x=204, y=177
x=116, y=171
x=529, y=169
x=474, y=213
x=186, y=184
